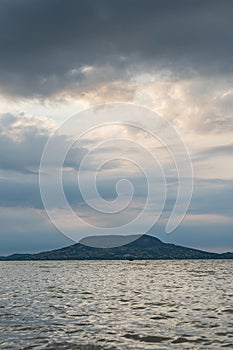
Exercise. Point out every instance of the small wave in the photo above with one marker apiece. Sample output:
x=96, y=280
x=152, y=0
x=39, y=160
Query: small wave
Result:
x=147, y=338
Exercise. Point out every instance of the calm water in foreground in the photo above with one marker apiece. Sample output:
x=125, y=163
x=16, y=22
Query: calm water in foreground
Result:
x=116, y=305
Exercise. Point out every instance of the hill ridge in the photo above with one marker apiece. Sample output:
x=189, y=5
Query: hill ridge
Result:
x=146, y=247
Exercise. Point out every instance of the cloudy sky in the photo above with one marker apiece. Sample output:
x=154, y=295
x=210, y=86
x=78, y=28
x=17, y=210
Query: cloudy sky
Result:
x=59, y=58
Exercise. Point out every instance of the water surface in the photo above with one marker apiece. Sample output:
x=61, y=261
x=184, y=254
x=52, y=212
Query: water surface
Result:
x=93, y=305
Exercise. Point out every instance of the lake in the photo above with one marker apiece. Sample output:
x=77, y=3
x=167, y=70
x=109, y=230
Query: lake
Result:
x=93, y=305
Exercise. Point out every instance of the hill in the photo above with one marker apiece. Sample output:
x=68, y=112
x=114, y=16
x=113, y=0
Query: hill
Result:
x=144, y=248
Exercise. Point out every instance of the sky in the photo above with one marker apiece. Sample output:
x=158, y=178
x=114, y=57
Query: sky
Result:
x=64, y=58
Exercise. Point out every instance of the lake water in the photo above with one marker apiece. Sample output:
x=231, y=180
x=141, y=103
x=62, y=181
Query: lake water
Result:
x=116, y=305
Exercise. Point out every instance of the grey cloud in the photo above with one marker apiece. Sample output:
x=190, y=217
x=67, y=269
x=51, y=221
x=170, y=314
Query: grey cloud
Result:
x=218, y=151
x=22, y=145
x=45, y=43
x=20, y=194
x=27, y=230
x=209, y=237
x=212, y=196
x=22, y=141
x=26, y=194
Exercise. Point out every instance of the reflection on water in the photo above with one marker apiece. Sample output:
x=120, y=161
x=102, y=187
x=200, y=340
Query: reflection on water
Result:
x=116, y=305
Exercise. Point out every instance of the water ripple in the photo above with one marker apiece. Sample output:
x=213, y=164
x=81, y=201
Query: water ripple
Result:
x=93, y=305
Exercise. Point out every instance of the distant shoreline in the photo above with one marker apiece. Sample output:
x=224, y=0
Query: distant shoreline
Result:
x=144, y=248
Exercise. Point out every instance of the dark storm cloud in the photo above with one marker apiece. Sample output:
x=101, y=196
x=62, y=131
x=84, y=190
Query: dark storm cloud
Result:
x=44, y=43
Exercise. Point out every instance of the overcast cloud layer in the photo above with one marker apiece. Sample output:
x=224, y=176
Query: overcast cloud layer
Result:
x=58, y=57
x=46, y=44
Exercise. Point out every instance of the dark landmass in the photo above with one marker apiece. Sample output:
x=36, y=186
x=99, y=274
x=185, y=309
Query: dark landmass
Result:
x=144, y=248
